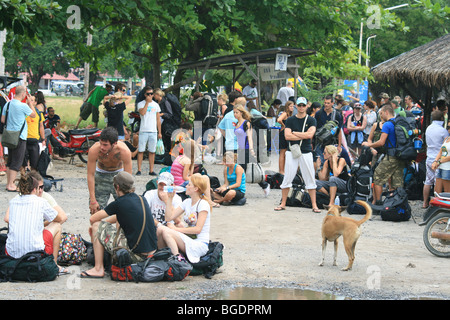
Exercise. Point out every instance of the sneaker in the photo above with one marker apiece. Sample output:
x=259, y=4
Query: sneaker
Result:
x=152, y=173
x=267, y=190
x=138, y=173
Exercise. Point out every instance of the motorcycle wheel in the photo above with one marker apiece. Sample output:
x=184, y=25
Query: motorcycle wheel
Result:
x=436, y=246
x=86, y=146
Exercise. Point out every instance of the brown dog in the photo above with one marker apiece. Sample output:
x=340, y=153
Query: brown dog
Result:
x=335, y=226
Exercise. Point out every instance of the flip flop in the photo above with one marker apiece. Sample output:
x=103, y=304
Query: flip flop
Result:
x=316, y=210
x=63, y=271
x=85, y=275
x=12, y=190
x=279, y=208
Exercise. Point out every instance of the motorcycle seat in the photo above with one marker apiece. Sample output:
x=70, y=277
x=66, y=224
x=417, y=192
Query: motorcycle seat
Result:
x=83, y=131
x=443, y=195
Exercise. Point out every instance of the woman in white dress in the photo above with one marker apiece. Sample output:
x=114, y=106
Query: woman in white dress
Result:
x=193, y=239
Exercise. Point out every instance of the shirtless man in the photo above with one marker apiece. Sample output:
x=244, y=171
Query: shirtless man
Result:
x=105, y=159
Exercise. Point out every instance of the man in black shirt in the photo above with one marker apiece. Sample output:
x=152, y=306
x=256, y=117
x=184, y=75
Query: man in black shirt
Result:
x=300, y=129
x=127, y=210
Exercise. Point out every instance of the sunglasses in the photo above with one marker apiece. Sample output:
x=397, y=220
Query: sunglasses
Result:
x=41, y=187
x=123, y=90
x=301, y=105
x=148, y=93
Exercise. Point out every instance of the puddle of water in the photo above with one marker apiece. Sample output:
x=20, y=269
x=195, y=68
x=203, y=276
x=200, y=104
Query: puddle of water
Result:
x=246, y=293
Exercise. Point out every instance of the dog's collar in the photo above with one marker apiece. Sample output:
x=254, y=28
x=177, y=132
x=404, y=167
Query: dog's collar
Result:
x=330, y=214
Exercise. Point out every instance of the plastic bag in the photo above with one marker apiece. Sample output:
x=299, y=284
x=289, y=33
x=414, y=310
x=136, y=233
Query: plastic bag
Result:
x=160, y=147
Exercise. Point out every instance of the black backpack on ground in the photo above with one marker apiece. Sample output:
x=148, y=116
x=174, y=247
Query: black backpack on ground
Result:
x=395, y=206
x=359, y=185
x=210, y=262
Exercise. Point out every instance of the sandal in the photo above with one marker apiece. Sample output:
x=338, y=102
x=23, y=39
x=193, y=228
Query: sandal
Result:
x=279, y=208
x=316, y=210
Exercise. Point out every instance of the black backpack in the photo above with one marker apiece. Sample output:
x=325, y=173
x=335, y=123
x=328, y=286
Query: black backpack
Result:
x=404, y=149
x=359, y=187
x=176, y=108
x=209, y=110
x=210, y=262
x=395, y=206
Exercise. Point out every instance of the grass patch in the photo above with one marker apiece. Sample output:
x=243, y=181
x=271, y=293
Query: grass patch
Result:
x=68, y=108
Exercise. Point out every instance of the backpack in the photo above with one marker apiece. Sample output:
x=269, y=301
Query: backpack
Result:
x=176, y=108
x=346, y=115
x=395, y=206
x=328, y=132
x=210, y=262
x=254, y=173
x=295, y=197
x=404, y=149
x=178, y=268
x=359, y=187
x=72, y=249
x=209, y=110
x=322, y=200
x=35, y=266
x=274, y=180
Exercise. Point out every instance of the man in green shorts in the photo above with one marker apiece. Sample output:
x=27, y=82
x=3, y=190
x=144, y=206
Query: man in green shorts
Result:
x=390, y=166
x=92, y=103
x=106, y=158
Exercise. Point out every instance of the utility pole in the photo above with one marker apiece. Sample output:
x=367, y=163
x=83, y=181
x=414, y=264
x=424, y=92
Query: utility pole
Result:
x=87, y=70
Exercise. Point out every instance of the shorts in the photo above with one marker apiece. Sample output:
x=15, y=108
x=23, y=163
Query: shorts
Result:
x=430, y=178
x=239, y=195
x=86, y=109
x=147, y=140
x=340, y=184
x=443, y=174
x=389, y=167
x=48, y=241
x=16, y=156
x=104, y=188
x=106, y=234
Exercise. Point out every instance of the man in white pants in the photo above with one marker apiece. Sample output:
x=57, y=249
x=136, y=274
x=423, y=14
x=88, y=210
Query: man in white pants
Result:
x=300, y=133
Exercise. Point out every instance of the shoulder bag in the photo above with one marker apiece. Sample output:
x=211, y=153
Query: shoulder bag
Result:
x=296, y=148
x=10, y=139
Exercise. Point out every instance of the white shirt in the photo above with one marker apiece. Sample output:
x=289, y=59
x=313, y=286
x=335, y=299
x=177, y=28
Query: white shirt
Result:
x=435, y=136
x=148, y=120
x=250, y=93
x=284, y=93
x=191, y=213
x=26, y=224
x=158, y=207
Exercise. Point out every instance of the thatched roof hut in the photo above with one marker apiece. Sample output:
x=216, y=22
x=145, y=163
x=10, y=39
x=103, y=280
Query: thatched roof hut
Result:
x=424, y=66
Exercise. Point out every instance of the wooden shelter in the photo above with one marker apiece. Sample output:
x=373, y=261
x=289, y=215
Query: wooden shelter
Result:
x=239, y=63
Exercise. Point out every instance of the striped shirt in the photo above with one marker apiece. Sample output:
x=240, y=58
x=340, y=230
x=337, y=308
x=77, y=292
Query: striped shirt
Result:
x=26, y=224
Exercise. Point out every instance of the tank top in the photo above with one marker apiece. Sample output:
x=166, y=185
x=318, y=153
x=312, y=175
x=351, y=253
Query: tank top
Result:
x=445, y=150
x=344, y=173
x=177, y=171
x=232, y=179
x=241, y=135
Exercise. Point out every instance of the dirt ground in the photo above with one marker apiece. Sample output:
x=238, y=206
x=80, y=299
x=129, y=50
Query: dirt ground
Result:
x=263, y=248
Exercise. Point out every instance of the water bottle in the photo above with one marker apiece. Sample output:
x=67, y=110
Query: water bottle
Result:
x=171, y=189
x=337, y=201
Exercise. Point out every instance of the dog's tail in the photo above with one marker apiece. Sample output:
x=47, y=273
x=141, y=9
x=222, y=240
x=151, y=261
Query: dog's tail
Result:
x=368, y=211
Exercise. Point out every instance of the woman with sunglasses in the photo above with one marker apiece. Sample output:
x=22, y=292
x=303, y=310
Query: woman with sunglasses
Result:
x=25, y=218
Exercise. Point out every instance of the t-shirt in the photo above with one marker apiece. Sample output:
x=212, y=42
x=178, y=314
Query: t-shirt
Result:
x=158, y=207
x=296, y=125
x=227, y=124
x=389, y=128
x=148, y=120
x=26, y=224
x=52, y=122
x=128, y=210
x=250, y=93
x=115, y=116
x=284, y=94
x=322, y=117
x=97, y=96
x=33, y=126
x=17, y=114
x=191, y=214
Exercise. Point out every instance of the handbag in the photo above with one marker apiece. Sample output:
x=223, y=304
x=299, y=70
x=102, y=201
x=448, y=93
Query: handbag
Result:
x=121, y=269
x=10, y=138
x=296, y=148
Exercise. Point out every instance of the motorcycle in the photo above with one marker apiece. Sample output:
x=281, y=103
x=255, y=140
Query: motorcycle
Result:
x=74, y=142
x=436, y=220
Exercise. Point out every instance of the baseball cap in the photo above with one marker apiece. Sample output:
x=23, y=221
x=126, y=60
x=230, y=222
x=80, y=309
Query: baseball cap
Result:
x=384, y=95
x=124, y=180
x=357, y=106
x=166, y=178
x=301, y=100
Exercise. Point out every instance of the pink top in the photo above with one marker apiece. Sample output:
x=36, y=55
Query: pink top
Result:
x=177, y=171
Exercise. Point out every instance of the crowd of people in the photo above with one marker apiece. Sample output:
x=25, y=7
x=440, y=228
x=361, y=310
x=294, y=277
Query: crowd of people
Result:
x=183, y=223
